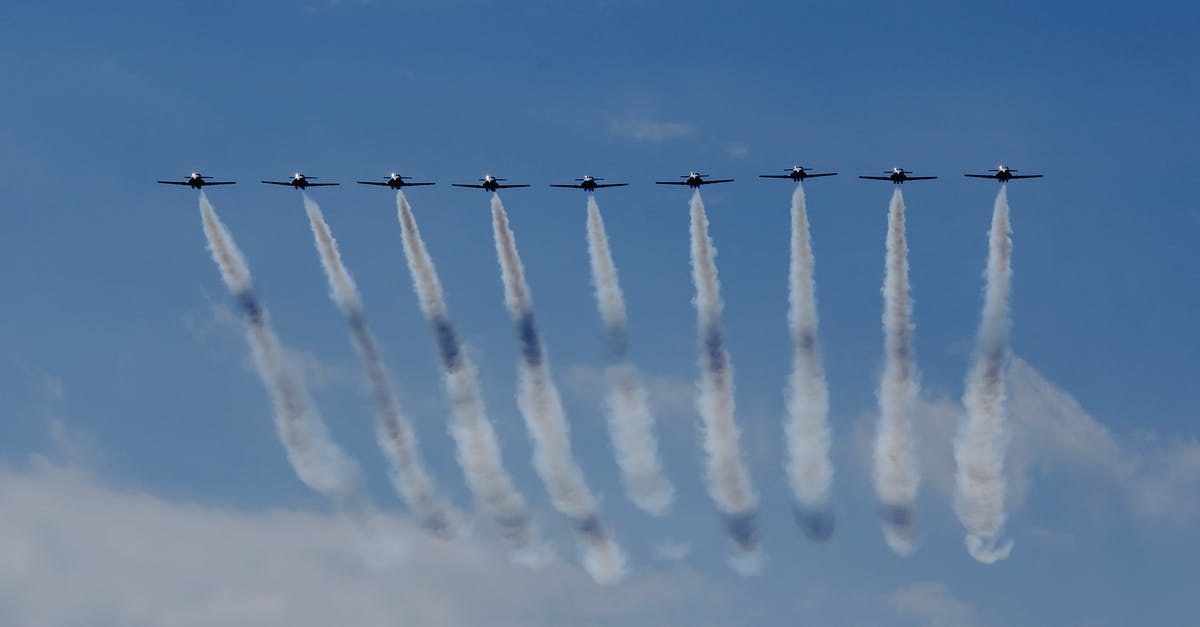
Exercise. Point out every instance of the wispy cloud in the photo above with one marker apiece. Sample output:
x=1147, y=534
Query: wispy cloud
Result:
x=650, y=130
x=1153, y=476
x=932, y=604
x=671, y=550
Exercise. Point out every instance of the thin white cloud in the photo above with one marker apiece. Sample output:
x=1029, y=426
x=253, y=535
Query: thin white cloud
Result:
x=650, y=130
x=738, y=150
x=932, y=604
x=669, y=395
x=671, y=550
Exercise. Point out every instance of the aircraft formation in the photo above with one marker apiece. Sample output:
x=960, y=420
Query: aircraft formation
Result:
x=589, y=183
x=807, y=430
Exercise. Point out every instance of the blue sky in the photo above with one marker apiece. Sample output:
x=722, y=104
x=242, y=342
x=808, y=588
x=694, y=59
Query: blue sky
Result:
x=123, y=366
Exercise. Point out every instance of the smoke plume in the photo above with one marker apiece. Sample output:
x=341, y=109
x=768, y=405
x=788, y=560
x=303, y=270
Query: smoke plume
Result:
x=394, y=432
x=807, y=426
x=477, y=448
x=319, y=463
x=979, y=447
x=727, y=478
x=896, y=475
x=630, y=423
x=541, y=407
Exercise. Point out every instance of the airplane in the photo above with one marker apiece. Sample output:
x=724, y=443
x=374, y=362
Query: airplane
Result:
x=394, y=181
x=798, y=173
x=694, y=180
x=197, y=180
x=299, y=181
x=589, y=184
x=1004, y=175
x=490, y=183
x=898, y=176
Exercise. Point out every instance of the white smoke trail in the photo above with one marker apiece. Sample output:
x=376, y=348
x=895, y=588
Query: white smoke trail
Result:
x=896, y=475
x=318, y=462
x=979, y=448
x=541, y=407
x=807, y=426
x=728, y=481
x=475, y=440
x=630, y=423
x=394, y=432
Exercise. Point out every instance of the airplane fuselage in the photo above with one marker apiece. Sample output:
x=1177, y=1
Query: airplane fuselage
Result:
x=196, y=180
x=299, y=181
x=1003, y=174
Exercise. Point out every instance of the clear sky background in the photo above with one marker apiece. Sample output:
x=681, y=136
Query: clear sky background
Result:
x=142, y=481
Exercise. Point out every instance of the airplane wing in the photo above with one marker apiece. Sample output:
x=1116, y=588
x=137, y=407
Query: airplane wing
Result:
x=920, y=178
x=716, y=181
x=877, y=178
x=371, y=183
x=777, y=176
x=414, y=184
x=207, y=183
x=1026, y=176
x=671, y=183
x=279, y=183
x=467, y=185
x=809, y=176
x=175, y=183
x=508, y=186
x=569, y=186
x=323, y=184
x=981, y=176
x=611, y=184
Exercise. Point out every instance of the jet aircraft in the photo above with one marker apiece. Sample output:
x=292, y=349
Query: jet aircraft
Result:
x=394, y=181
x=490, y=183
x=798, y=173
x=299, y=181
x=197, y=180
x=898, y=176
x=694, y=180
x=589, y=184
x=1003, y=174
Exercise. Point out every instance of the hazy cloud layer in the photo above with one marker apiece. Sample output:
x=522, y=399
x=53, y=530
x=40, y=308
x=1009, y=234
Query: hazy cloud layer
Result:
x=135, y=559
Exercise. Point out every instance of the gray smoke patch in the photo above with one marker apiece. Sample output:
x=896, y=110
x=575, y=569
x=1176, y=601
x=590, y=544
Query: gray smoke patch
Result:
x=476, y=446
x=630, y=422
x=896, y=475
x=726, y=476
x=541, y=407
x=979, y=447
x=394, y=432
x=317, y=460
x=806, y=427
